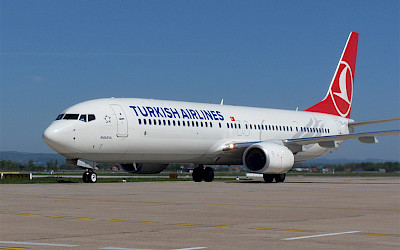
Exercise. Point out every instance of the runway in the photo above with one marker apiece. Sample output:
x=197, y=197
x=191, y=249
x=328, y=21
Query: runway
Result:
x=302, y=212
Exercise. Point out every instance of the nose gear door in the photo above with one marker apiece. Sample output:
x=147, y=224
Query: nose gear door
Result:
x=122, y=121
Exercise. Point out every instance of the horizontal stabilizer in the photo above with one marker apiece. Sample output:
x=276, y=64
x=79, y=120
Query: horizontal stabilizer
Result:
x=356, y=124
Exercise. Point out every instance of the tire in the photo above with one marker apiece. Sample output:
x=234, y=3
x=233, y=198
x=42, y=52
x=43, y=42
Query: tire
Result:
x=198, y=174
x=268, y=178
x=280, y=177
x=86, y=177
x=92, y=177
x=208, y=174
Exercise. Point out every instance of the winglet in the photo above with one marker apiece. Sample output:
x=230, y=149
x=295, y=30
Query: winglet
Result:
x=340, y=94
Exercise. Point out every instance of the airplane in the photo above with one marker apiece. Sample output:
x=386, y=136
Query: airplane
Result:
x=145, y=135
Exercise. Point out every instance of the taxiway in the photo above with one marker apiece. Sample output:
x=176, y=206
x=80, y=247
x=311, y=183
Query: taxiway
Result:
x=303, y=212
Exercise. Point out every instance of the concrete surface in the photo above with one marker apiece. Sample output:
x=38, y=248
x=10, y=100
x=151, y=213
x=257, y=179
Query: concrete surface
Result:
x=301, y=213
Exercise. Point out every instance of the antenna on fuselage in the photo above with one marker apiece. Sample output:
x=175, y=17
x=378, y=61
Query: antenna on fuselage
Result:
x=222, y=101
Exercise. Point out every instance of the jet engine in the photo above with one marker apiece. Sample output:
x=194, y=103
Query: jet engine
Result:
x=268, y=158
x=143, y=168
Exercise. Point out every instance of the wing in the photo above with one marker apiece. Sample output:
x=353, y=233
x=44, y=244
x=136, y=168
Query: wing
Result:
x=295, y=145
x=325, y=141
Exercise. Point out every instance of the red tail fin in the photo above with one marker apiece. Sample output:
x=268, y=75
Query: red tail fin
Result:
x=340, y=94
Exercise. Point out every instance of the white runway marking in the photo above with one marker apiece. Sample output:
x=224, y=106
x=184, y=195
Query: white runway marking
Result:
x=121, y=248
x=320, y=235
x=37, y=244
x=191, y=248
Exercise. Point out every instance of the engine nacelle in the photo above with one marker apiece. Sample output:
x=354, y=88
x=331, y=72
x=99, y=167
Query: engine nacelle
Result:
x=144, y=168
x=268, y=158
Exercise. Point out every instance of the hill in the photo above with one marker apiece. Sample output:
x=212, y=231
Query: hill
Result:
x=37, y=158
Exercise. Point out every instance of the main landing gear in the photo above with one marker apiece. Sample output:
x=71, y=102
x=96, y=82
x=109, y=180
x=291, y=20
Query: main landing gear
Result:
x=89, y=176
x=268, y=178
x=200, y=173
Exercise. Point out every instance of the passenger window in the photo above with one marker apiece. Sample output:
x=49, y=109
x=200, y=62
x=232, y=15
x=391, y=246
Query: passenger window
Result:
x=169, y=123
x=82, y=118
x=59, y=117
x=173, y=122
x=140, y=121
x=192, y=123
x=210, y=124
x=149, y=122
x=251, y=127
x=159, y=122
x=144, y=121
x=206, y=124
x=155, y=122
x=91, y=117
x=197, y=124
x=220, y=126
x=201, y=124
x=164, y=122
x=179, y=123
x=71, y=117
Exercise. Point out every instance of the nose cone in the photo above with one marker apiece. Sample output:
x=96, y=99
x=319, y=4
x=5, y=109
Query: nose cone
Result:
x=56, y=136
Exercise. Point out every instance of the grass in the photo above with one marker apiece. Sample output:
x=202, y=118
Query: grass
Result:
x=181, y=177
x=50, y=180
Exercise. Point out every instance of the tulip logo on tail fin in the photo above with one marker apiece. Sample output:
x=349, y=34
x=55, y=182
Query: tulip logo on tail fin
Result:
x=343, y=95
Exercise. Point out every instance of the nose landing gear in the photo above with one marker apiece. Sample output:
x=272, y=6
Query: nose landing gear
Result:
x=89, y=176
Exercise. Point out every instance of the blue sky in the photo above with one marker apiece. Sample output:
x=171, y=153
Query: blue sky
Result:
x=278, y=54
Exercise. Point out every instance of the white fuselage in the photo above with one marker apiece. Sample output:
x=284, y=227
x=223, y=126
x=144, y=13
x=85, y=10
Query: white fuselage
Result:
x=127, y=130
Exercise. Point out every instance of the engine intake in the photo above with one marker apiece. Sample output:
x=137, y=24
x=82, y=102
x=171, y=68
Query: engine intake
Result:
x=144, y=168
x=268, y=158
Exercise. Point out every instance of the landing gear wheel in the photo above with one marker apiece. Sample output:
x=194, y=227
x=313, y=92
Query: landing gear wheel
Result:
x=93, y=177
x=208, y=174
x=198, y=174
x=89, y=177
x=86, y=177
x=268, y=178
x=280, y=177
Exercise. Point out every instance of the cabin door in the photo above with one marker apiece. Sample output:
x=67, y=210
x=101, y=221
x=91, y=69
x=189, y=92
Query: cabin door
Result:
x=122, y=122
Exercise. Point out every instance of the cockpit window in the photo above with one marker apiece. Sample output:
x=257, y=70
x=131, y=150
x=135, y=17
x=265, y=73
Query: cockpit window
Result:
x=71, y=117
x=91, y=118
x=59, y=117
x=82, y=118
